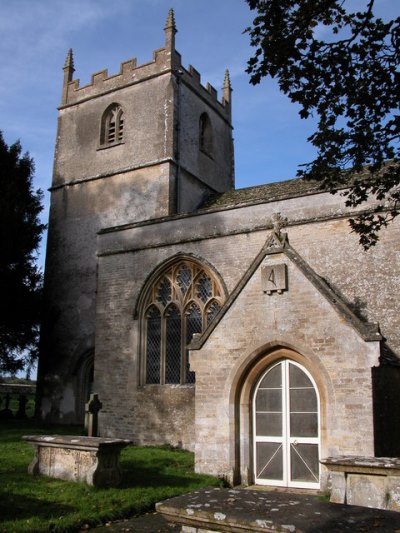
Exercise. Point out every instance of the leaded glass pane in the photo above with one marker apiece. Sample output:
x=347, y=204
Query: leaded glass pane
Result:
x=212, y=311
x=180, y=283
x=184, y=278
x=193, y=325
x=204, y=288
x=173, y=346
x=153, y=346
x=164, y=291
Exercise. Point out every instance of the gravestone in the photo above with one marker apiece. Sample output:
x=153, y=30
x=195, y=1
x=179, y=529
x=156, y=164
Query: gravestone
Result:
x=93, y=407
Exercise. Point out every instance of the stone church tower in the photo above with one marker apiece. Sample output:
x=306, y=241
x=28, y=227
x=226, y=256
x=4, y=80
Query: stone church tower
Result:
x=247, y=325
x=143, y=144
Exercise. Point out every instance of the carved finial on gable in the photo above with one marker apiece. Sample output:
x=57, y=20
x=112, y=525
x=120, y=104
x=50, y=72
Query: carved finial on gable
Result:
x=170, y=30
x=227, y=88
x=278, y=222
x=277, y=240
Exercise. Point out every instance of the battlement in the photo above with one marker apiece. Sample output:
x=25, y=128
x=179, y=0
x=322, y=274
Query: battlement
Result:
x=164, y=60
x=130, y=73
x=192, y=78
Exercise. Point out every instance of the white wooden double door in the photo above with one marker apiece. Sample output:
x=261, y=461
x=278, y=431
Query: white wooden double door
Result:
x=286, y=427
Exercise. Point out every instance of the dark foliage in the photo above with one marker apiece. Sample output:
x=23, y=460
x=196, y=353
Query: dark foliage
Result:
x=343, y=68
x=20, y=278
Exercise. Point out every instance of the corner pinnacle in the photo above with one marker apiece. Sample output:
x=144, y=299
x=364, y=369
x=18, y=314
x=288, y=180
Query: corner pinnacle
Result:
x=69, y=61
x=68, y=70
x=226, y=90
x=227, y=80
x=170, y=24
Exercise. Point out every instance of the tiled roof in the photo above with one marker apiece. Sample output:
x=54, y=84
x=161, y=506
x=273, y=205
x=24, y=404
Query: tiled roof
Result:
x=283, y=189
x=261, y=193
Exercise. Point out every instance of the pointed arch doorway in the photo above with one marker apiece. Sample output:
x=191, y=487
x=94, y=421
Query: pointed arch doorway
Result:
x=286, y=436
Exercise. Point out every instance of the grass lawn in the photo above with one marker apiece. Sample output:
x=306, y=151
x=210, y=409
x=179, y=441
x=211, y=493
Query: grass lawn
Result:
x=35, y=504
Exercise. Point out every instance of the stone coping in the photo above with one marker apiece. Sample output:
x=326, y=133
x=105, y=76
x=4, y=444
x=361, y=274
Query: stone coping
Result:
x=245, y=510
x=353, y=463
x=76, y=442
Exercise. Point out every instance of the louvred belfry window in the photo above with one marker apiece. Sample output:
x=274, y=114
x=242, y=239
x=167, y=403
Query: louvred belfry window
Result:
x=112, y=126
x=182, y=301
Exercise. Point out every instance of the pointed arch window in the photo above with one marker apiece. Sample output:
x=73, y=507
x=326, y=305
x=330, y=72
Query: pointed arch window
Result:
x=112, y=126
x=205, y=134
x=153, y=343
x=182, y=301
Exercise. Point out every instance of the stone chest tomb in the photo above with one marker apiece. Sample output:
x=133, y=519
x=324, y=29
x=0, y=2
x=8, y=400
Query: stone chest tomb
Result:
x=92, y=460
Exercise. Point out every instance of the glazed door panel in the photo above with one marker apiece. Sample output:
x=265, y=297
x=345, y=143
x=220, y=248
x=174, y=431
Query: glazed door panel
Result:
x=286, y=427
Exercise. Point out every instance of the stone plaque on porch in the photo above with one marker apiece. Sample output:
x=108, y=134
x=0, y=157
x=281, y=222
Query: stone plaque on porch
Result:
x=274, y=278
x=73, y=458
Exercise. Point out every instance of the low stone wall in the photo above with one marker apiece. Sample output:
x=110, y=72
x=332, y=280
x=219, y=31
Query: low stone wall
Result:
x=366, y=481
x=17, y=388
x=93, y=460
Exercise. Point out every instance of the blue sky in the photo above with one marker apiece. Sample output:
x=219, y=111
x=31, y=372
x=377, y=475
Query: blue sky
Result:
x=270, y=139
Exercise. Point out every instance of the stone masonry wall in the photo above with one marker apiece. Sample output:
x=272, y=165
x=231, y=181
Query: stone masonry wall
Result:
x=339, y=360
x=229, y=240
x=318, y=230
x=214, y=170
x=148, y=414
x=148, y=132
x=77, y=213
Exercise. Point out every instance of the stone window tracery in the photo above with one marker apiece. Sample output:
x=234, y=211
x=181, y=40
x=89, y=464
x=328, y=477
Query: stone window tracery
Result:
x=182, y=301
x=112, y=126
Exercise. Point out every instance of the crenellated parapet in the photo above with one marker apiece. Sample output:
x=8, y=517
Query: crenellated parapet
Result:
x=129, y=74
x=165, y=60
x=192, y=78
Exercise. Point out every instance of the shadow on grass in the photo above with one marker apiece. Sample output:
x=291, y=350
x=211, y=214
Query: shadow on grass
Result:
x=133, y=475
x=13, y=506
x=12, y=430
x=157, y=467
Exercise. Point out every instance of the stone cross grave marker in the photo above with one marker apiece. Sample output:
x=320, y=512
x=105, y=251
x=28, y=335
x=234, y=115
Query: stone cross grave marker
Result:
x=93, y=407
